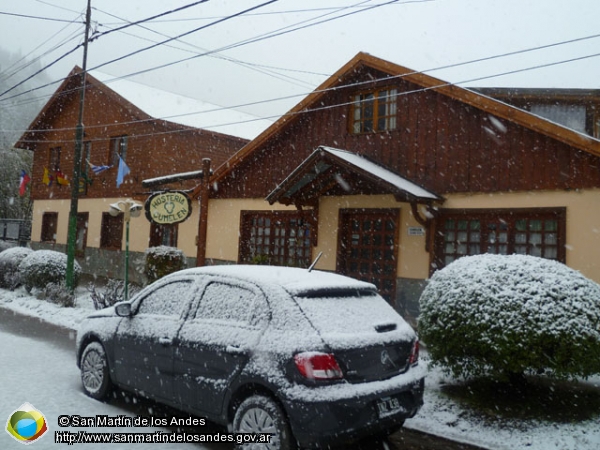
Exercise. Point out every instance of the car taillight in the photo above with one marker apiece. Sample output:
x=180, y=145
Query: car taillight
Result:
x=413, y=359
x=318, y=366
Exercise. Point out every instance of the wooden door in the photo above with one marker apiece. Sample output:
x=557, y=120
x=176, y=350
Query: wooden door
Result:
x=368, y=247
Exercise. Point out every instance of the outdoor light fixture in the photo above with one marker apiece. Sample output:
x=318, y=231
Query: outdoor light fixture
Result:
x=129, y=208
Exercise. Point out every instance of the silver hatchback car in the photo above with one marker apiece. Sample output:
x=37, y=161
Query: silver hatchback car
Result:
x=311, y=357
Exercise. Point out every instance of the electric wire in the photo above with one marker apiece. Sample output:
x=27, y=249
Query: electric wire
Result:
x=187, y=33
x=63, y=56
x=68, y=53
x=266, y=70
x=278, y=32
x=474, y=61
x=281, y=31
x=16, y=68
x=56, y=6
x=133, y=53
x=266, y=13
x=49, y=19
x=256, y=39
x=318, y=108
x=148, y=19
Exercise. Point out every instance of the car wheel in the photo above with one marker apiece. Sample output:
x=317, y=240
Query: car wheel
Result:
x=94, y=371
x=260, y=414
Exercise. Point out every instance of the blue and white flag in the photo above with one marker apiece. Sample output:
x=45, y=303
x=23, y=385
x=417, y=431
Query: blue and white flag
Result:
x=98, y=169
x=123, y=171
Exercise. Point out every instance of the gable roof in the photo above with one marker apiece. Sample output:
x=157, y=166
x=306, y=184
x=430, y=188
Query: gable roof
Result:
x=183, y=110
x=147, y=103
x=36, y=129
x=485, y=103
x=330, y=171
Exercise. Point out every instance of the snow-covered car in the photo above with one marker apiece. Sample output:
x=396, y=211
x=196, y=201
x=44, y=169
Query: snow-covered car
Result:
x=309, y=356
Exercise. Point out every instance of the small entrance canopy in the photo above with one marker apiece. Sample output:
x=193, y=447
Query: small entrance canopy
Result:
x=330, y=171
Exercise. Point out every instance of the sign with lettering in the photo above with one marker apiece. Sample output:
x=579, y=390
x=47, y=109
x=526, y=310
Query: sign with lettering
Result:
x=168, y=207
x=416, y=231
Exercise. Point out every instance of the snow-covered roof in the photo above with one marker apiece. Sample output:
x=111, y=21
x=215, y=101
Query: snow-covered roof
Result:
x=324, y=158
x=183, y=110
x=380, y=172
x=171, y=178
x=294, y=280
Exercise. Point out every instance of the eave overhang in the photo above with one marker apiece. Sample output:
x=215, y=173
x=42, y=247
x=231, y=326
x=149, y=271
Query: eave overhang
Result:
x=334, y=172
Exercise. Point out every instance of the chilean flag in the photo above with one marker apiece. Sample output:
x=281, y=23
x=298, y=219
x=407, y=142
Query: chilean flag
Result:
x=23, y=183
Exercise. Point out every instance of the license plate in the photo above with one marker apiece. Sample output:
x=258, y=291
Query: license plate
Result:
x=388, y=406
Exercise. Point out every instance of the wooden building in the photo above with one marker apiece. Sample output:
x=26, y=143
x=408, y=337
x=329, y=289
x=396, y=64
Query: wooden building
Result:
x=392, y=174
x=124, y=120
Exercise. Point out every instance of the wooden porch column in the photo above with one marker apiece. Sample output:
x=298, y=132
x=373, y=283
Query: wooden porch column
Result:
x=203, y=222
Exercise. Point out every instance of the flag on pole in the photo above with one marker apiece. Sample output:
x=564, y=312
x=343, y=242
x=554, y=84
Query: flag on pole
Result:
x=62, y=179
x=98, y=169
x=23, y=182
x=122, y=172
x=47, y=178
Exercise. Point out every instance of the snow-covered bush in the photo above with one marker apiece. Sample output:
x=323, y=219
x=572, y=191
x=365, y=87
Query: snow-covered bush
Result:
x=163, y=260
x=5, y=245
x=9, y=266
x=43, y=267
x=57, y=293
x=498, y=315
x=113, y=292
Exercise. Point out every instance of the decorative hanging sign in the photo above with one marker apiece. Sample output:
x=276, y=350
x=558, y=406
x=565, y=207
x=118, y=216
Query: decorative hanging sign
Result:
x=165, y=208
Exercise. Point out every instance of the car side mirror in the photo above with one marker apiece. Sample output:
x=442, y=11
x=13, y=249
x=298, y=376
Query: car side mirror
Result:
x=123, y=309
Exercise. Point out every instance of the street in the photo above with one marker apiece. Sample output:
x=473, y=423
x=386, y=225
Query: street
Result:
x=39, y=367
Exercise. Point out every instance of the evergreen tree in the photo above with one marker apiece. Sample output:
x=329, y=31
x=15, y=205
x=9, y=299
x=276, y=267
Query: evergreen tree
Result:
x=16, y=114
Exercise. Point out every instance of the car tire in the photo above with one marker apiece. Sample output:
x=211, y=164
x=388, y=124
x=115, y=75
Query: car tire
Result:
x=95, y=376
x=260, y=414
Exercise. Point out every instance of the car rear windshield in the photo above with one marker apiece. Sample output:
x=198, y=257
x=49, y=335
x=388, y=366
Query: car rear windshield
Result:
x=350, y=312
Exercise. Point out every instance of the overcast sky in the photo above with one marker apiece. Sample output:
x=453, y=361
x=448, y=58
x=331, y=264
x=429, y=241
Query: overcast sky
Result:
x=298, y=43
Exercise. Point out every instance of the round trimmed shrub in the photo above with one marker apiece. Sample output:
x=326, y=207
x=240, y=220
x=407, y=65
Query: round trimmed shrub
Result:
x=5, y=245
x=508, y=315
x=9, y=266
x=43, y=267
x=163, y=260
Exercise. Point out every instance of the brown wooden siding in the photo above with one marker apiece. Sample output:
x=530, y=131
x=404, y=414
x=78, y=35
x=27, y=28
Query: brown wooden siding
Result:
x=440, y=143
x=154, y=148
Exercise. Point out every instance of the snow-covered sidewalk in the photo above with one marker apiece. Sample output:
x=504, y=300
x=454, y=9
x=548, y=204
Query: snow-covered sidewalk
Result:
x=440, y=416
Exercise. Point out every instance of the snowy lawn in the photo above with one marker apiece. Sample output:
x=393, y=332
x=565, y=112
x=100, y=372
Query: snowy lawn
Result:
x=441, y=415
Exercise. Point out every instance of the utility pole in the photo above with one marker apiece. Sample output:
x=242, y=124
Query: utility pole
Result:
x=72, y=233
x=203, y=220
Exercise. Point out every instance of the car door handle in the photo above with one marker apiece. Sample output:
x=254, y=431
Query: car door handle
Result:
x=165, y=341
x=233, y=350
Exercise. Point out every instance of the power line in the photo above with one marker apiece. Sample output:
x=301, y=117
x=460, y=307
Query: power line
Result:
x=56, y=6
x=39, y=71
x=18, y=68
x=325, y=107
x=185, y=34
x=231, y=46
x=448, y=66
x=264, y=69
x=68, y=53
x=433, y=69
x=50, y=19
x=248, y=41
x=148, y=19
x=213, y=51
x=267, y=13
